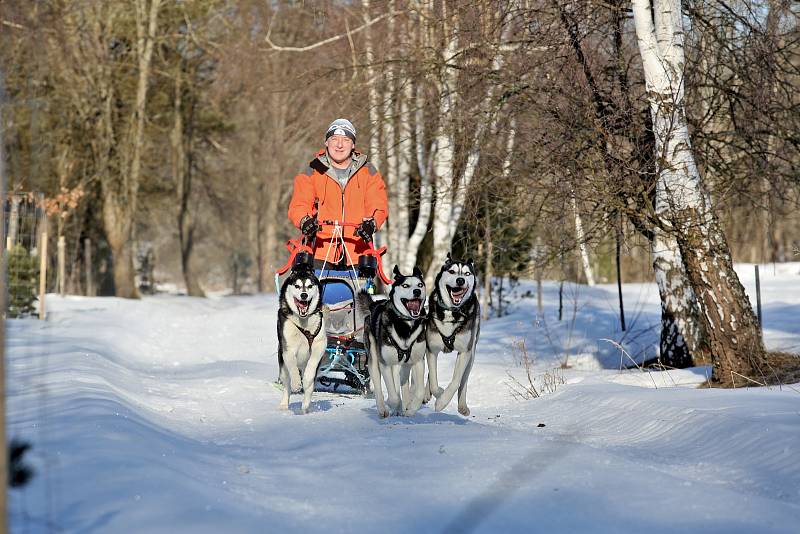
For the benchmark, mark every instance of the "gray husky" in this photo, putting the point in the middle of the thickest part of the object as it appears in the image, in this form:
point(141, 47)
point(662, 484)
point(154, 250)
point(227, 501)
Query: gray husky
point(454, 324)
point(301, 334)
point(395, 340)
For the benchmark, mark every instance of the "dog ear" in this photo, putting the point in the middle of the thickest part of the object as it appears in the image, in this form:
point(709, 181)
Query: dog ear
point(449, 258)
point(396, 271)
point(418, 272)
point(470, 262)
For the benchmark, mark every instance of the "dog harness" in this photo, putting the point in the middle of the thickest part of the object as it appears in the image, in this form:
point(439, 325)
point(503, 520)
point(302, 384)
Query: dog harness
point(449, 341)
point(404, 355)
point(309, 335)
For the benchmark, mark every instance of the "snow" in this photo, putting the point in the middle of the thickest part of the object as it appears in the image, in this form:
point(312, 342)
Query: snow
point(160, 415)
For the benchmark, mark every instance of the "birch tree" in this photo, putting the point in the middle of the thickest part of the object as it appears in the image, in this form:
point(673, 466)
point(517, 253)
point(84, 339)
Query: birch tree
point(684, 206)
point(398, 135)
point(452, 181)
point(624, 144)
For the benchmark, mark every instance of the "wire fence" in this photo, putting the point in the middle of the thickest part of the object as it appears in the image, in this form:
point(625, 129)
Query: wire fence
point(25, 227)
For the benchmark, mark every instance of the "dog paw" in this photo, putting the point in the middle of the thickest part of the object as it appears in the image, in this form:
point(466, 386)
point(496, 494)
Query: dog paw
point(383, 414)
point(307, 406)
point(283, 406)
point(426, 399)
point(463, 410)
point(440, 405)
point(410, 413)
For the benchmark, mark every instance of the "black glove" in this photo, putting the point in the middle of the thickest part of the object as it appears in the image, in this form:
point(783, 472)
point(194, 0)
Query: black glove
point(309, 226)
point(365, 229)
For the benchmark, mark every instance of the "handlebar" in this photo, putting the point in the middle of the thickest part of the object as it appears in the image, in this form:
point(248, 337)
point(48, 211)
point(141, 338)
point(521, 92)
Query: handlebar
point(302, 245)
point(328, 222)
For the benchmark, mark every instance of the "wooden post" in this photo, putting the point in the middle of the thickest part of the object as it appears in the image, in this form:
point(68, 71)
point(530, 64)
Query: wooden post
point(539, 306)
point(758, 299)
point(43, 276)
point(500, 298)
point(13, 222)
point(3, 445)
point(61, 281)
point(619, 275)
point(87, 260)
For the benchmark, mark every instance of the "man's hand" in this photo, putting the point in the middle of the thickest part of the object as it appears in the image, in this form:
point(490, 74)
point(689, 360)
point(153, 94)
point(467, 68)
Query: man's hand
point(309, 226)
point(365, 229)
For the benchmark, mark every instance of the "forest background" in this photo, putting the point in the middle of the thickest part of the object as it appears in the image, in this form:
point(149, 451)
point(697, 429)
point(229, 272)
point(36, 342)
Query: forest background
point(520, 133)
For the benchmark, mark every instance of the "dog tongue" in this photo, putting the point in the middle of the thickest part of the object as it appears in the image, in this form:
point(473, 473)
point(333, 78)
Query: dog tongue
point(457, 294)
point(413, 305)
point(302, 307)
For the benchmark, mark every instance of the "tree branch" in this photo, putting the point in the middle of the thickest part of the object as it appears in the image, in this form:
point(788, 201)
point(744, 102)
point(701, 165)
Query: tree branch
point(324, 41)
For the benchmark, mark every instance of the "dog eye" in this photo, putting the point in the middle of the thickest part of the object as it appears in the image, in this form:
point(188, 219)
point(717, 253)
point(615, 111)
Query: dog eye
point(406, 285)
point(452, 271)
point(420, 284)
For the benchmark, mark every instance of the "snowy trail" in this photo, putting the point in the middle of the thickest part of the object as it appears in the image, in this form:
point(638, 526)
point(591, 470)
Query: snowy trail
point(160, 416)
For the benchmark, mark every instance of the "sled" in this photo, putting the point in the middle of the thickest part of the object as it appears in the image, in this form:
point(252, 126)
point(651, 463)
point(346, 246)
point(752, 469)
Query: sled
point(344, 368)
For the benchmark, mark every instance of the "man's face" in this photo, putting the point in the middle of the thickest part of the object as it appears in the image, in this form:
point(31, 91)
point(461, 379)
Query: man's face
point(340, 147)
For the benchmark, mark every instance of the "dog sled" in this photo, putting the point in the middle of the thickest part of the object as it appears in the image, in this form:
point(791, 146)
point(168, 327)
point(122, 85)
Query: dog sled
point(343, 368)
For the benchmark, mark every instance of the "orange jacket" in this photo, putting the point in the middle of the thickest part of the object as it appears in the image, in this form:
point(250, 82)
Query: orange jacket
point(363, 196)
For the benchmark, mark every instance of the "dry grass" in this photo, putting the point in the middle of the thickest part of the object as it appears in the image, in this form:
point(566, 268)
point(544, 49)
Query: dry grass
point(784, 367)
point(783, 370)
point(549, 380)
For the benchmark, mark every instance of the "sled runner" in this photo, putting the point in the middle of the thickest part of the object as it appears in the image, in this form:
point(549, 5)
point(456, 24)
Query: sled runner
point(344, 366)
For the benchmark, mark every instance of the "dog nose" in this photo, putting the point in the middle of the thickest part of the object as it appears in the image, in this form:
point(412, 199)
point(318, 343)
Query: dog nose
point(460, 281)
point(303, 296)
point(417, 292)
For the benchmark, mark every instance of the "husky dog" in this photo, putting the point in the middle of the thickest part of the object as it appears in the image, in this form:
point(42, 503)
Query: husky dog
point(301, 334)
point(454, 318)
point(395, 340)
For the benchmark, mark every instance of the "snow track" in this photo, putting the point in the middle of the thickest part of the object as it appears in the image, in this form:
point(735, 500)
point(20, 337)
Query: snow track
point(159, 416)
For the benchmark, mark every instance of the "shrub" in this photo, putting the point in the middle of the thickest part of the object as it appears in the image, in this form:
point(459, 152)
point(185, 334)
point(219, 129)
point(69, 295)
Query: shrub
point(23, 272)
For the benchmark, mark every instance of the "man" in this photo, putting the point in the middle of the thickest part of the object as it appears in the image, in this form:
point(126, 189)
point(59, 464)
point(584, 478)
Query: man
point(345, 187)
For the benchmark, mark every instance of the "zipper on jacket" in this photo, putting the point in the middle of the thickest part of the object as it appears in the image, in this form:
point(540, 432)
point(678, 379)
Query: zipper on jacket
point(342, 189)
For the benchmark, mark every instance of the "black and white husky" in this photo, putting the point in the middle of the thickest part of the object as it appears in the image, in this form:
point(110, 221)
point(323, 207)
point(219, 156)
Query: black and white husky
point(395, 340)
point(454, 324)
point(301, 334)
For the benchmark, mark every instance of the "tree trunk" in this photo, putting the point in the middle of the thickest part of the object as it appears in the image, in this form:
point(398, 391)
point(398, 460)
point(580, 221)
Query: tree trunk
point(182, 172)
point(117, 222)
point(682, 342)
point(270, 239)
point(736, 345)
point(684, 206)
point(581, 239)
point(425, 168)
point(120, 192)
